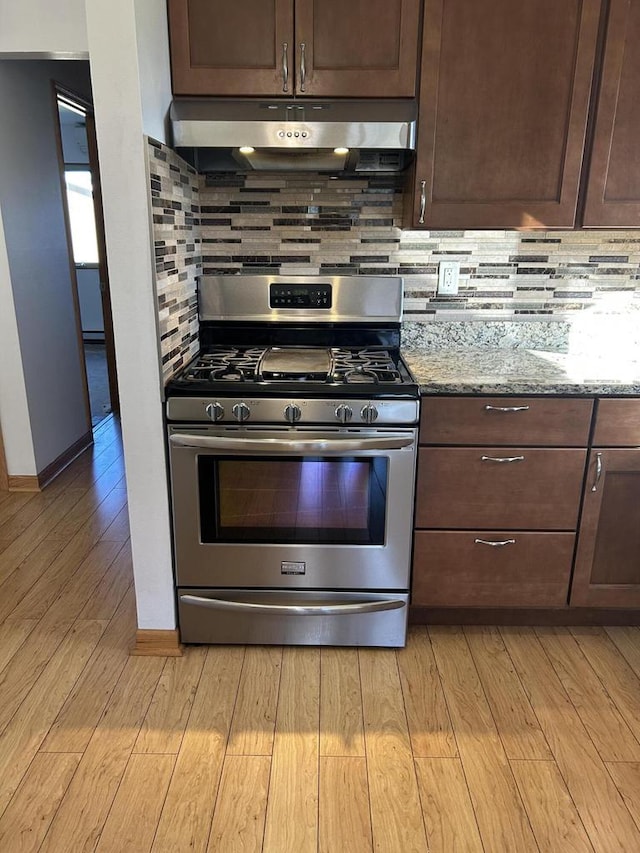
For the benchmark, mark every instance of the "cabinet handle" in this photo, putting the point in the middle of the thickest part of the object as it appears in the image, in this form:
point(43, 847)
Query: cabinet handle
point(498, 544)
point(285, 66)
point(423, 201)
point(594, 488)
point(303, 65)
point(507, 408)
point(502, 458)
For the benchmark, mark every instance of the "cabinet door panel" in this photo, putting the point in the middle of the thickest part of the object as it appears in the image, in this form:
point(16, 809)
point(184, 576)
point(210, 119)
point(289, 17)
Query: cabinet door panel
point(454, 569)
point(504, 101)
point(613, 193)
point(458, 489)
point(221, 48)
point(363, 48)
point(607, 571)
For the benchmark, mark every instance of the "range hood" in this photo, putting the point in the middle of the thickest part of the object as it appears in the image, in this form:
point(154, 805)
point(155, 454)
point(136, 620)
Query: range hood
point(217, 135)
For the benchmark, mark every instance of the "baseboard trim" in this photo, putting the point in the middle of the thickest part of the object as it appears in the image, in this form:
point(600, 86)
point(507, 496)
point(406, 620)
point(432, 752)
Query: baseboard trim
point(58, 465)
point(24, 483)
point(160, 643)
point(37, 482)
point(4, 476)
point(560, 616)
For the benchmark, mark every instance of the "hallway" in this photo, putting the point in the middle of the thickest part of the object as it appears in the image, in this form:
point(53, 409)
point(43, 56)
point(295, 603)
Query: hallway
point(95, 357)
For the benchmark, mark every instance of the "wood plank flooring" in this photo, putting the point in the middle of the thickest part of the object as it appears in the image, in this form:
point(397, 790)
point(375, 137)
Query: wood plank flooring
point(474, 740)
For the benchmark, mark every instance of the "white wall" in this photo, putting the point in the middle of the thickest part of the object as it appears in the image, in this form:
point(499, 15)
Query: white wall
point(36, 247)
point(43, 27)
point(152, 36)
point(14, 411)
point(130, 75)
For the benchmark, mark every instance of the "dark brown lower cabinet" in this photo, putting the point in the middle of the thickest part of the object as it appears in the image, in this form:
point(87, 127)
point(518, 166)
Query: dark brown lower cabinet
point(491, 568)
point(488, 488)
point(607, 569)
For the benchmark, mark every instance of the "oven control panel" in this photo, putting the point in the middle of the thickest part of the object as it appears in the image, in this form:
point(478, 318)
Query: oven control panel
point(289, 412)
point(300, 296)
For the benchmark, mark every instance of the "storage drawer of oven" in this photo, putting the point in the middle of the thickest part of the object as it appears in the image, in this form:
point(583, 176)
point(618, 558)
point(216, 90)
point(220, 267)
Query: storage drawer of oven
point(491, 568)
point(292, 617)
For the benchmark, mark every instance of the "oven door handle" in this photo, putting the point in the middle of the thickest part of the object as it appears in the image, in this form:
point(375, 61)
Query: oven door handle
point(277, 445)
point(309, 609)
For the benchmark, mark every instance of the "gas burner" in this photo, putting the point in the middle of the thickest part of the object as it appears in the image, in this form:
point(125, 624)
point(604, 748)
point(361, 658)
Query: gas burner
point(227, 374)
point(225, 364)
point(366, 365)
point(360, 374)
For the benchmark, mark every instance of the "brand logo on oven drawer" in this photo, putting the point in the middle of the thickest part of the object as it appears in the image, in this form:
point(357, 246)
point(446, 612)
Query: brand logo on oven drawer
point(287, 568)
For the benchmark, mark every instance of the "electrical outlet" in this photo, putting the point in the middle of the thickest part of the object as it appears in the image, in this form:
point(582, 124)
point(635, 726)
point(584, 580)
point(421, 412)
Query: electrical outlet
point(448, 275)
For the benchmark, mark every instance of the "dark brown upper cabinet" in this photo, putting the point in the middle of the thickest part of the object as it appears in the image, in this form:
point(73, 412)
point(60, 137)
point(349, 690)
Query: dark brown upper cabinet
point(357, 49)
point(613, 190)
point(315, 48)
point(240, 48)
point(504, 103)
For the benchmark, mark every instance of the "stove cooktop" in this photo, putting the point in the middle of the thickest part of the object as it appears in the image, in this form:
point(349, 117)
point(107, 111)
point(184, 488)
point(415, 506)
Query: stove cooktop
point(307, 371)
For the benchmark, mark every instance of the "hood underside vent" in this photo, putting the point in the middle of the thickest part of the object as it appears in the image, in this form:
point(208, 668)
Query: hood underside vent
point(345, 136)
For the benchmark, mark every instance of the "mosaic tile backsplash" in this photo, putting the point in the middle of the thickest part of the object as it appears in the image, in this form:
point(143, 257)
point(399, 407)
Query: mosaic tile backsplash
point(175, 211)
point(311, 223)
point(351, 226)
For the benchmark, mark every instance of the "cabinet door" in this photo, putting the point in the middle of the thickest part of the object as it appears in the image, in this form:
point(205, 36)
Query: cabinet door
point(357, 49)
point(222, 48)
point(613, 190)
point(503, 110)
point(607, 570)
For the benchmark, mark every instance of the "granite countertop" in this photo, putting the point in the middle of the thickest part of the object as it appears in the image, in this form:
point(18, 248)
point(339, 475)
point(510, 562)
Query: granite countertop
point(521, 371)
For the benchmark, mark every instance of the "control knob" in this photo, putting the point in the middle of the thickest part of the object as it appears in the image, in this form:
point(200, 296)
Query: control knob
point(241, 412)
point(344, 413)
point(369, 413)
point(215, 411)
point(292, 413)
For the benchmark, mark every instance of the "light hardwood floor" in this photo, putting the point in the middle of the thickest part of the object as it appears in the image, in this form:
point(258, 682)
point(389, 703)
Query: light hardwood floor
point(469, 740)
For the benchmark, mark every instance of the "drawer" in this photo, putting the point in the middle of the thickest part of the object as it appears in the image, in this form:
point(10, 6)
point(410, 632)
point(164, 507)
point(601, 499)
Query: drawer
point(453, 569)
point(505, 420)
point(460, 487)
point(617, 423)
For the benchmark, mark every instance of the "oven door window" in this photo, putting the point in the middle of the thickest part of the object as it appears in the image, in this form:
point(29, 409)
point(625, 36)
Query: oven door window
point(293, 499)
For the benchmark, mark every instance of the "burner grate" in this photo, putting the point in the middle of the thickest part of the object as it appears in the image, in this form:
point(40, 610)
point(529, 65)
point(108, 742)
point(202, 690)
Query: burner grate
point(335, 366)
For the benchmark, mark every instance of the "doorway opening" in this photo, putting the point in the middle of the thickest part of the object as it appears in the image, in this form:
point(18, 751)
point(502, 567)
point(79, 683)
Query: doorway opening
point(81, 182)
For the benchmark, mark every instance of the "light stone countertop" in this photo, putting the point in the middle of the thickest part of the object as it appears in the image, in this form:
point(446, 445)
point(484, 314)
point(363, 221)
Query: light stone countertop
point(522, 371)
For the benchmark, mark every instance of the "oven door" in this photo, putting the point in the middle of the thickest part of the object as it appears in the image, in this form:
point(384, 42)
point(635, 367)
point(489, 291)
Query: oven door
point(292, 507)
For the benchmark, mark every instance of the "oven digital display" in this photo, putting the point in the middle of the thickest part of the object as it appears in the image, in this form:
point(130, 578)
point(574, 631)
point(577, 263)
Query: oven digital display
point(300, 296)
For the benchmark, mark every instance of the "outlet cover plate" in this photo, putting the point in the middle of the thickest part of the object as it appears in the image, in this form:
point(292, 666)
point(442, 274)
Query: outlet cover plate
point(448, 276)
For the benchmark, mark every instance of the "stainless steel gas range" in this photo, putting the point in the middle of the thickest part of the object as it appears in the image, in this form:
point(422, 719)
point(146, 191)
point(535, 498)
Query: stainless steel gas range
point(292, 443)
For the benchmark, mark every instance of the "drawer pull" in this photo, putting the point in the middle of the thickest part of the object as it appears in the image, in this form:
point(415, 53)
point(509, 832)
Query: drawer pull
point(507, 408)
point(498, 544)
point(502, 458)
point(594, 488)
